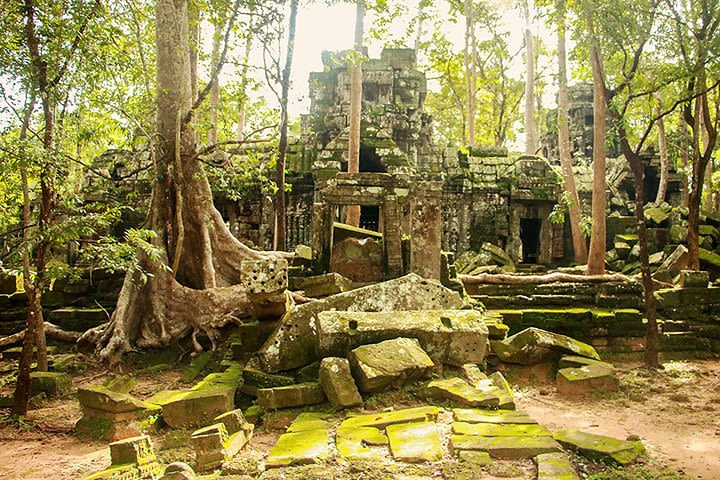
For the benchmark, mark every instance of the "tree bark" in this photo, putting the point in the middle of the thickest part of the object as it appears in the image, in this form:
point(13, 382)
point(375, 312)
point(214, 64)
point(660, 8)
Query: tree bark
point(664, 162)
point(596, 255)
point(283, 144)
point(215, 91)
point(531, 140)
point(470, 57)
point(353, 211)
point(578, 240)
point(242, 100)
point(684, 159)
point(202, 294)
point(52, 331)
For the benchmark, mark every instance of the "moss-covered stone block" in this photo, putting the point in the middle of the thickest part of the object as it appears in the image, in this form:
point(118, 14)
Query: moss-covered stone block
point(383, 419)
point(290, 396)
point(338, 384)
point(299, 448)
point(534, 345)
point(585, 379)
point(509, 448)
point(415, 442)
point(471, 415)
point(460, 392)
point(555, 466)
point(52, 384)
point(389, 364)
point(600, 447)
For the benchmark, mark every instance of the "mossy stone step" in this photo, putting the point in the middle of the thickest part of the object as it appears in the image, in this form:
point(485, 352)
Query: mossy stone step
point(555, 466)
point(600, 447)
point(383, 419)
point(300, 448)
point(353, 441)
point(309, 421)
point(415, 442)
point(510, 448)
point(472, 415)
point(499, 430)
point(462, 393)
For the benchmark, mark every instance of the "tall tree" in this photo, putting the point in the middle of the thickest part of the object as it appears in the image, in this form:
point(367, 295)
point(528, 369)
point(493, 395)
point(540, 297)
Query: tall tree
point(470, 56)
point(353, 211)
point(283, 144)
point(531, 134)
point(664, 157)
point(578, 239)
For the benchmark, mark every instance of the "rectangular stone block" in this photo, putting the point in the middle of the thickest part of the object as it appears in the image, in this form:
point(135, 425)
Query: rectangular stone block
point(509, 448)
point(290, 396)
point(415, 442)
point(135, 450)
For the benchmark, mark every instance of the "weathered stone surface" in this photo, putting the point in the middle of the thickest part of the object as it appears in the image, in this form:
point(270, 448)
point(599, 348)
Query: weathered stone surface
point(383, 419)
point(573, 361)
point(469, 415)
point(121, 384)
point(585, 379)
point(600, 447)
point(52, 384)
point(500, 430)
point(415, 442)
point(178, 471)
point(138, 450)
point(507, 397)
point(326, 284)
point(555, 466)
point(472, 374)
point(300, 448)
point(338, 384)
point(266, 283)
point(234, 421)
point(476, 458)
point(387, 364)
point(360, 260)
point(209, 444)
point(196, 407)
point(352, 441)
point(693, 278)
point(294, 342)
point(510, 448)
point(460, 392)
point(100, 398)
point(533, 345)
point(673, 264)
point(454, 337)
point(290, 396)
point(309, 421)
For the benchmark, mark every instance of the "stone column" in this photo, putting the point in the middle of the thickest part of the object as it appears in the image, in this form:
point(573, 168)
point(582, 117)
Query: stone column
point(392, 237)
point(426, 239)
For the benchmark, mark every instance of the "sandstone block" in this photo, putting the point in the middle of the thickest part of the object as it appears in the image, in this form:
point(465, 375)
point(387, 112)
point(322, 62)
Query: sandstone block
point(290, 396)
point(388, 364)
point(338, 384)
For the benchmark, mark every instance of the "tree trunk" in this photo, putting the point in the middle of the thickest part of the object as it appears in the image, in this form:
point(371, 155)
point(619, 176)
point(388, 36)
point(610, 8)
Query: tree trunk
point(596, 255)
point(470, 56)
point(201, 294)
point(242, 100)
point(353, 211)
point(578, 240)
point(215, 92)
point(420, 20)
point(664, 162)
point(531, 140)
point(684, 158)
point(283, 144)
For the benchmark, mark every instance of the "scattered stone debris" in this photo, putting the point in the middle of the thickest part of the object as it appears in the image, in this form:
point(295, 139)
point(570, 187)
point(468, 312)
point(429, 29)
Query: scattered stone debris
point(555, 466)
point(110, 415)
point(338, 384)
point(221, 441)
point(388, 364)
point(596, 377)
point(299, 447)
point(462, 393)
point(534, 345)
point(291, 396)
point(323, 285)
point(131, 458)
point(601, 448)
point(52, 384)
point(415, 442)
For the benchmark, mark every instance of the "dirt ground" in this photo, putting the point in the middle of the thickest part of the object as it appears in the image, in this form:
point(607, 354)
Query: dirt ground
point(674, 411)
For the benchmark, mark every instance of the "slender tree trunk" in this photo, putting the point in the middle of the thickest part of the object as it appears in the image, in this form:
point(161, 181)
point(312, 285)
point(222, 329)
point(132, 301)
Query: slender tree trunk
point(579, 245)
point(215, 92)
point(420, 20)
point(596, 255)
point(353, 211)
point(280, 166)
point(664, 162)
point(470, 57)
point(242, 100)
point(531, 140)
point(684, 159)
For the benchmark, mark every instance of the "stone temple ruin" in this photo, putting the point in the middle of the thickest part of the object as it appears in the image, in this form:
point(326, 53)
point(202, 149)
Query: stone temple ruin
point(360, 312)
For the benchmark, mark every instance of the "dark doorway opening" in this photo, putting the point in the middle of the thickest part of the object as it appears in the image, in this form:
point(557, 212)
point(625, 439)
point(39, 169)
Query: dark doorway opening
point(370, 161)
point(370, 217)
point(530, 238)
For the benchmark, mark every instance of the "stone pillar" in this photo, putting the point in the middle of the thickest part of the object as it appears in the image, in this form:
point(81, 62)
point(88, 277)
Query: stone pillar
point(426, 239)
point(392, 237)
point(266, 283)
point(322, 226)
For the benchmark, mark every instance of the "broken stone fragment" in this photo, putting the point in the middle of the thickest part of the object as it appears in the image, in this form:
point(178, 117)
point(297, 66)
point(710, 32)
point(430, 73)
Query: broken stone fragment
point(415, 442)
point(555, 466)
point(573, 361)
point(338, 384)
point(52, 384)
point(121, 384)
point(510, 448)
point(309, 421)
point(507, 397)
point(472, 374)
point(462, 393)
point(476, 458)
point(178, 471)
point(693, 279)
point(588, 378)
point(472, 415)
point(138, 450)
point(673, 265)
point(534, 345)
point(265, 282)
point(599, 447)
point(326, 284)
point(452, 337)
point(389, 364)
point(309, 446)
point(500, 430)
point(383, 419)
point(197, 407)
point(291, 396)
point(352, 441)
point(294, 342)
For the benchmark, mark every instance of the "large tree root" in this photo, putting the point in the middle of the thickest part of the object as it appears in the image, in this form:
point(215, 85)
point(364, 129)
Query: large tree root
point(52, 331)
point(556, 277)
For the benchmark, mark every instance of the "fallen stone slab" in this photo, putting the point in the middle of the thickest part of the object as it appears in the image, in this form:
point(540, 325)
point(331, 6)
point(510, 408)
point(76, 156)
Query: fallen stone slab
point(352, 441)
point(477, 458)
point(500, 430)
point(131, 458)
point(460, 392)
point(586, 379)
point(452, 337)
point(52, 384)
point(555, 466)
point(507, 397)
point(572, 361)
point(110, 415)
point(599, 447)
point(294, 342)
point(291, 396)
point(323, 285)
point(509, 448)
point(178, 471)
point(534, 345)
point(472, 374)
point(209, 445)
point(309, 421)
point(338, 384)
point(472, 415)
point(673, 265)
point(389, 364)
point(383, 419)
point(310, 446)
point(254, 379)
point(415, 442)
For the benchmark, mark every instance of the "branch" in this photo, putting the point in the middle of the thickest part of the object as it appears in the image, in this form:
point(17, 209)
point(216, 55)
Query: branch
point(75, 44)
point(216, 70)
